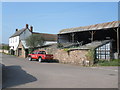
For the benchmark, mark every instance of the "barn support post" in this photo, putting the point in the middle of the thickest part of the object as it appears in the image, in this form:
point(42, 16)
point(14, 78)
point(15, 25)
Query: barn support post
point(73, 34)
point(92, 35)
point(58, 38)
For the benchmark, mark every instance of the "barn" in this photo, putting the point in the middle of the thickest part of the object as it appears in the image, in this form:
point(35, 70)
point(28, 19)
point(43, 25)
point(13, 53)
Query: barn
point(107, 34)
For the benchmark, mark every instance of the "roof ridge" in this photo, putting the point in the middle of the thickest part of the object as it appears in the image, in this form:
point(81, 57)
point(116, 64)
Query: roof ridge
point(97, 26)
point(17, 33)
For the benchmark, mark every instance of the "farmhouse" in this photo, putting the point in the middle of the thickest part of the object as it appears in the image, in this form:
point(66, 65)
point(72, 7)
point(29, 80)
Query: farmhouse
point(94, 34)
point(19, 35)
point(17, 40)
point(22, 49)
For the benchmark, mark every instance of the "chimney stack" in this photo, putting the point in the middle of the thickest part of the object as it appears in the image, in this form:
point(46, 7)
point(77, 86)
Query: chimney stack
point(16, 30)
point(26, 25)
point(31, 28)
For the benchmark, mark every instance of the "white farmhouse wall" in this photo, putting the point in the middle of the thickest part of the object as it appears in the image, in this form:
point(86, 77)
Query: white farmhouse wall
point(13, 42)
point(25, 34)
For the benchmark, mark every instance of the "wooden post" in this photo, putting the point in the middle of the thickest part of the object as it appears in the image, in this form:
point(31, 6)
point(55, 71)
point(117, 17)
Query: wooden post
point(58, 38)
point(92, 36)
point(73, 37)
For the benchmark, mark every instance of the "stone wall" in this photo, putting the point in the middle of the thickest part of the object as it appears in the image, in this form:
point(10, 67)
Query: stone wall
point(72, 57)
point(75, 56)
point(22, 51)
point(51, 49)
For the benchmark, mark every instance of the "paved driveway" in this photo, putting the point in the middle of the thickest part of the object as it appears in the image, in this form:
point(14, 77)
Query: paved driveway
point(21, 73)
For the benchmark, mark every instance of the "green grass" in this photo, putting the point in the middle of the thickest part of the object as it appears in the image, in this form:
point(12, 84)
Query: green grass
point(115, 62)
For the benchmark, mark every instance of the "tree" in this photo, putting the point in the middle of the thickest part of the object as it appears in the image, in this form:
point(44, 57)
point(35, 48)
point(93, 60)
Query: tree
point(34, 41)
point(5, 47)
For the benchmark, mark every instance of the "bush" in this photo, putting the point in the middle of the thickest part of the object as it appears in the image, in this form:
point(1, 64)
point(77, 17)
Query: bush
point(66, 49)
point(90, 55)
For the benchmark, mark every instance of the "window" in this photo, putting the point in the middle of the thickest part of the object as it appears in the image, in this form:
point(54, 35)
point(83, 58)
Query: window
point(16, 39)
point(34, 53)
point(103, 52)
point(41, 52)
point(13, 40)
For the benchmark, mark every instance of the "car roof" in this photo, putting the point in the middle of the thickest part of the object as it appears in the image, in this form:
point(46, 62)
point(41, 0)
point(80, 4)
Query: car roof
point(38, 50)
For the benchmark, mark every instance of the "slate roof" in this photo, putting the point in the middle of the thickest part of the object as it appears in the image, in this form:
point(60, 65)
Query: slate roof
point(95, 44)
point(92, 45)
point(100, 26)
point(17, 33)
point(46, 37)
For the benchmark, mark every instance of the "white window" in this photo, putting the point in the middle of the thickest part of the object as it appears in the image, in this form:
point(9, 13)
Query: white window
point(12, 40)
point(16, 39)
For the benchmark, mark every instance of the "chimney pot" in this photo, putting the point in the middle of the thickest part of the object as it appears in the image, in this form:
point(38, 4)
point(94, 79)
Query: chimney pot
point(31, 28)
point(26, 25)
point(16, 30)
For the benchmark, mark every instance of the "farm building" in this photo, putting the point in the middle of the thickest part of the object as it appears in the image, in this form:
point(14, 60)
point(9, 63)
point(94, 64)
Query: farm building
point(86, 35)
point(17, 42)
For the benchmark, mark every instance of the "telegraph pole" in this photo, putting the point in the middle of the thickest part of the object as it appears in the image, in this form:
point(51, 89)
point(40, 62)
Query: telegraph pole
point(118, 48)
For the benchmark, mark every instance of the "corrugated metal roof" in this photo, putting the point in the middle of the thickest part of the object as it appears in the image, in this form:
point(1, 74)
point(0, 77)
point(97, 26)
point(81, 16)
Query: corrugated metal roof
point(113, 24)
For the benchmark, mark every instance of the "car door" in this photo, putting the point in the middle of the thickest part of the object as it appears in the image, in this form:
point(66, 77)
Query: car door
point(33, 55)
point(40, 54)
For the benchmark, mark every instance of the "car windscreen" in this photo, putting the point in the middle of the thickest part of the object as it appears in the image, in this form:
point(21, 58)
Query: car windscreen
point(41, 52)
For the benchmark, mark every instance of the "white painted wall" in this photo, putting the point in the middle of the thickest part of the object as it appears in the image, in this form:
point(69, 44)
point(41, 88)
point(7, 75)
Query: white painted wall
point(14, 41)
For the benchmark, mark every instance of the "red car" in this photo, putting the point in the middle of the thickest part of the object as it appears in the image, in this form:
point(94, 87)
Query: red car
point(40, 55)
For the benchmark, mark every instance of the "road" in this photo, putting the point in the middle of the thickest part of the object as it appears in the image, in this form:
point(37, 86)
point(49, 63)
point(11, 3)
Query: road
point(21, 73)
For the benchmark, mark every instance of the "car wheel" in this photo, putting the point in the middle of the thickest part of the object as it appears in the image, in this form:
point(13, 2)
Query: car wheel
point(30, 59)
point(40, 59)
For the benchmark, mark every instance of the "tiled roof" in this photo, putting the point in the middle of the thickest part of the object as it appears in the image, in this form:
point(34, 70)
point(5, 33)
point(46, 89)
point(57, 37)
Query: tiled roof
point(113, 24)
point(47, 37)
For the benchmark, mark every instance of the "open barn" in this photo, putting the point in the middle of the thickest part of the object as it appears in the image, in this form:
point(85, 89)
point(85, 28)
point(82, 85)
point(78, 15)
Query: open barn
point(88, 34)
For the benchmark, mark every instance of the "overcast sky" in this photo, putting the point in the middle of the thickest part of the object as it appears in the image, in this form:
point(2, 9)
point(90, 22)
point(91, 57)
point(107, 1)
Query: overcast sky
point(51, 17)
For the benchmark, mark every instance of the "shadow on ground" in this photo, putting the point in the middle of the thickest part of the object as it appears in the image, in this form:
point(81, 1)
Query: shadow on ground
point(15, 75)
point(53, 61)
point(47, 61)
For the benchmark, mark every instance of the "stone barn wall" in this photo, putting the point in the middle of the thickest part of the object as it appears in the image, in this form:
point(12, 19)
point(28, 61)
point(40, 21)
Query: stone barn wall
point(72, 57)
point(75, 56)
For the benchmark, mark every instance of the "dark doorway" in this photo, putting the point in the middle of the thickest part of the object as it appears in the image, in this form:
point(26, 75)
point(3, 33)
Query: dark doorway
point(19, 51)
point(26, 52)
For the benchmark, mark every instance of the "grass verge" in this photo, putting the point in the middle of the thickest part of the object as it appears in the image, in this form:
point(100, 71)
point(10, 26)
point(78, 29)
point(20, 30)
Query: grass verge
point(115, 62)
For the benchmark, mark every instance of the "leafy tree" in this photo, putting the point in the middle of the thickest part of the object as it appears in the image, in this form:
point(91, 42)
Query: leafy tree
point(5, 47)
point(34, 41)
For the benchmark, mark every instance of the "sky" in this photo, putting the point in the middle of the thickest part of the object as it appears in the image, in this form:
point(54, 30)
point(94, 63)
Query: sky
point(51, 17)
